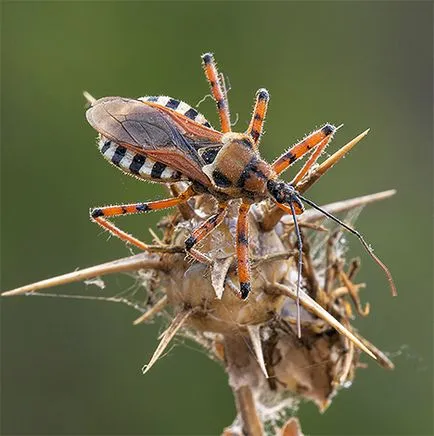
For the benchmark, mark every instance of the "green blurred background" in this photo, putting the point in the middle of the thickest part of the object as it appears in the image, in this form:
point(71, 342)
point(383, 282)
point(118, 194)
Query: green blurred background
point(73, 367)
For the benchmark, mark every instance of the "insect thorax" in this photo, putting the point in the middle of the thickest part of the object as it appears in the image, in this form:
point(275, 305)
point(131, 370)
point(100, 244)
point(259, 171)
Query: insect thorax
point(136, 164)
point(238, 170)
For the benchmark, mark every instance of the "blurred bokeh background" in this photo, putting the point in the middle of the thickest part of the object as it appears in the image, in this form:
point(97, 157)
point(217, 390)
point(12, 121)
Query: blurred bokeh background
point(73, 367)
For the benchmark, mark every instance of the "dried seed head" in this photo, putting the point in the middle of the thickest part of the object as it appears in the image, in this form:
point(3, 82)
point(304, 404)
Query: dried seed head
point(256, 338)
point(270, 369)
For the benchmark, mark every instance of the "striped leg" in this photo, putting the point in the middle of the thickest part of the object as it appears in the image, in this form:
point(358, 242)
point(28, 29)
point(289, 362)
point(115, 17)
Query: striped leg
point(206, 227)
point(99, 215)
point(258, 115)
point(243, 250)
point(218, 93)
point(311, 161)
point(302, 147)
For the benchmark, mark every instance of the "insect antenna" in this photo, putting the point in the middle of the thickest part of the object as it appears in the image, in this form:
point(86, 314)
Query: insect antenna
point(358, 235)
point(299, 264)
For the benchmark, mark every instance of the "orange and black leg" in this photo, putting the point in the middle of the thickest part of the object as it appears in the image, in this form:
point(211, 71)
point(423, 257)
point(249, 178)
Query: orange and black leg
point(258, 116)
point(243, 250)
point(99, 215)
point(206, 227)
point(311, 161)
point(315, 139)
point(217, 90)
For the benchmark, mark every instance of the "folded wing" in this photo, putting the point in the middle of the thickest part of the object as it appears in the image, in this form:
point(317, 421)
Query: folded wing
point(157, 132)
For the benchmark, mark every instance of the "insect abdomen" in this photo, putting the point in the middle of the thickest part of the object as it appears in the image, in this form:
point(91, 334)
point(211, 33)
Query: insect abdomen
point(137, 164)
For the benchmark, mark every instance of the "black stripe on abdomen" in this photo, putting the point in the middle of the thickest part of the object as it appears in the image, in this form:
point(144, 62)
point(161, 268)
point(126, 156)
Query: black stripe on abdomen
point(118, 155)
point(106, 146)
point(172, 104)
point(157, 170)
point(137, 163)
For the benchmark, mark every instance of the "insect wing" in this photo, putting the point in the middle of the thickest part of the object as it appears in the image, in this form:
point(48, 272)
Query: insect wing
point(178, 106)
point(149, 130)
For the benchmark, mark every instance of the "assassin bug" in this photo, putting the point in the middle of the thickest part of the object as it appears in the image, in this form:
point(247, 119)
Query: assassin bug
point(165, 140)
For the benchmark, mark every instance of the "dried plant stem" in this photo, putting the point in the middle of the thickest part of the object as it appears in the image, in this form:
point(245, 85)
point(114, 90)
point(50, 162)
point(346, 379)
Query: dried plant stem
point(273, 257)
point(313, 307)
point(329, 163)
point(255, 338)
point(353, 291)
point(157, 307)
point(382, 359)
point(246, 407)
point(167, 336)
point(345, 205)
point(237, 351)
point(312, 215)
point(132, 263)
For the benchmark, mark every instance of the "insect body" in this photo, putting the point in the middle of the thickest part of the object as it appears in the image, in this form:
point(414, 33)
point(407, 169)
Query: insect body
point(165, 140)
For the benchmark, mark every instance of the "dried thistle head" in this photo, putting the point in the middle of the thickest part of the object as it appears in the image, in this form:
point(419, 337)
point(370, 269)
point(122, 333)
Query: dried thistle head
point(267, 364)
point(270, 369)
